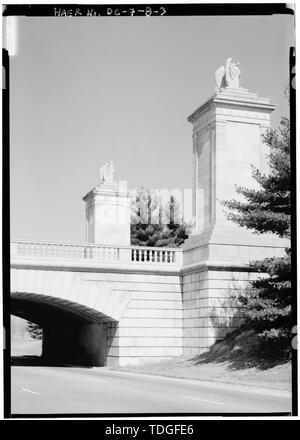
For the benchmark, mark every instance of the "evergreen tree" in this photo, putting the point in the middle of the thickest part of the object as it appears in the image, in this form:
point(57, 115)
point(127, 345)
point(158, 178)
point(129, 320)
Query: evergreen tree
point(153, 224)
point(146, 221)
point(268, 209)
point(35, 331)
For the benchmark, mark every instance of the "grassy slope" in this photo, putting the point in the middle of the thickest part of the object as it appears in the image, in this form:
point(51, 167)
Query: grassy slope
point(236, 360)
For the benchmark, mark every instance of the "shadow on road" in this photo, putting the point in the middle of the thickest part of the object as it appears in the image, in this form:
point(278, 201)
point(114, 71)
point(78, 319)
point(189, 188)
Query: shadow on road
point(38, 361)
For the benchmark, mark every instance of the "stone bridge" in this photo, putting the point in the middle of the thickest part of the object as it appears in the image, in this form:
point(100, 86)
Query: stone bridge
point(109, 305)
point(98, 304)
point(119, 304)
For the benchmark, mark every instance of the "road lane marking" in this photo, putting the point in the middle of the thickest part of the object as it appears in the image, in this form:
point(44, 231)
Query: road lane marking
point(29, 391)
point(203, 400)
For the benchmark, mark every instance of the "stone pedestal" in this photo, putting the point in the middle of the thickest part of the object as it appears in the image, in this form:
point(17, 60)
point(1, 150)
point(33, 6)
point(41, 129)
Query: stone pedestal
point(227, 140)
point(108, 215)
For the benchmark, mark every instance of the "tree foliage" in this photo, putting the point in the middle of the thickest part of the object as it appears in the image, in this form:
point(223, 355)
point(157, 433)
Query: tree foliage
point(268, 209)
point(35, 331)
point(154, 223)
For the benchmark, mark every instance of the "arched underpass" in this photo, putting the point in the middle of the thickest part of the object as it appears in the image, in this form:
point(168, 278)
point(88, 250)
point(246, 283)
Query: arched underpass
point(72, 333)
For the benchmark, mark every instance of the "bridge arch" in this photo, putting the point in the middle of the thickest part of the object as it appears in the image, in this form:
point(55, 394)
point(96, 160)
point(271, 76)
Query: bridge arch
point(72, 333)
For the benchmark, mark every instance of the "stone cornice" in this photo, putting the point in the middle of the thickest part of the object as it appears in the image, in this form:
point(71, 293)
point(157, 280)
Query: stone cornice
point(215, 265)
point(109, 190)
point(92, 266)
point(237, 100)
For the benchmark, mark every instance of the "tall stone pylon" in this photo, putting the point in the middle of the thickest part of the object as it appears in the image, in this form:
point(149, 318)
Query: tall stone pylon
point(108, 211)
point(227, 140)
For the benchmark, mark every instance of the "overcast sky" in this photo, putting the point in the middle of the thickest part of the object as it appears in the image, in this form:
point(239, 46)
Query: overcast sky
point(85, 91)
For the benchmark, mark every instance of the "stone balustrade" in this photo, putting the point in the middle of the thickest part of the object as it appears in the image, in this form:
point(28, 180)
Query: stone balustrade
point(134, 254)
point(153, 255)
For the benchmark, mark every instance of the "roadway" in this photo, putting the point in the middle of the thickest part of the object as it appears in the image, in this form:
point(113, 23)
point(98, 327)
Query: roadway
point(65, 390)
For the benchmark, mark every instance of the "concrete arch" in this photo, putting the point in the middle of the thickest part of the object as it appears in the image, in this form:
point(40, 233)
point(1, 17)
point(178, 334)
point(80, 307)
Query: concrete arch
point(78, 287)
point(72, 333)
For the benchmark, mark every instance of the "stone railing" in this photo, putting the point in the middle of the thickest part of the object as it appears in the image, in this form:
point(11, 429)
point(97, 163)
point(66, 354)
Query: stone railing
point(153, 255)
point(133, 254)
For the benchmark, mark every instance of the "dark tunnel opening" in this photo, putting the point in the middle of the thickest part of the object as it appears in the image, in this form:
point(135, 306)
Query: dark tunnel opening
point(73, 334)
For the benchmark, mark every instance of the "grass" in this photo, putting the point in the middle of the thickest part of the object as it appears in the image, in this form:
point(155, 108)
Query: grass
point(26, 346)
point(238, 359)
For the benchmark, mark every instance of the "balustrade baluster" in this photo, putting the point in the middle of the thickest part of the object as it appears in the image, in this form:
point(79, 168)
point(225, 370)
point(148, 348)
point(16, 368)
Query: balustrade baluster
point(94, 252)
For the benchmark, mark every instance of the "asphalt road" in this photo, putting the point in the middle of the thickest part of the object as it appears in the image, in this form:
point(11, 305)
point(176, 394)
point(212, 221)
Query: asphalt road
point(65, 390)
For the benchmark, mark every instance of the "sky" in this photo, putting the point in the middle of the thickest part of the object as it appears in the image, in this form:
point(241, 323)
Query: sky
point(85, 91)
